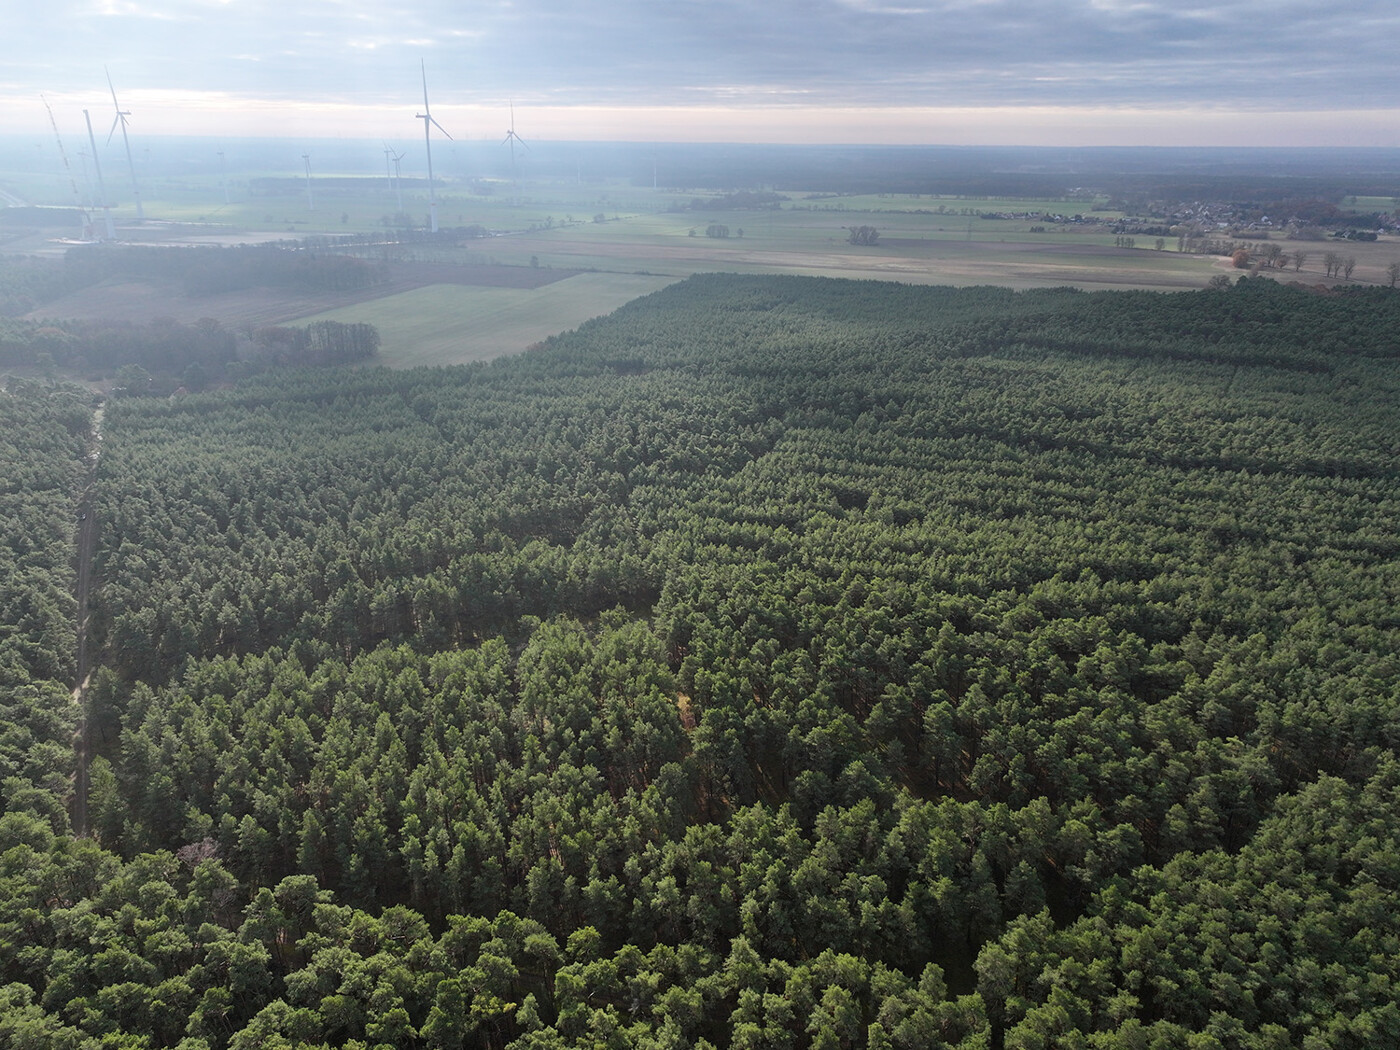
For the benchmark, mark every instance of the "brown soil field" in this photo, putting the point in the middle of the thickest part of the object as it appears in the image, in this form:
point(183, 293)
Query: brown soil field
point(144, 300)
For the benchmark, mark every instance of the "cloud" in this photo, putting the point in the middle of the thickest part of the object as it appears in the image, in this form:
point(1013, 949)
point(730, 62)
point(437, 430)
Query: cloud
point(1241, 54)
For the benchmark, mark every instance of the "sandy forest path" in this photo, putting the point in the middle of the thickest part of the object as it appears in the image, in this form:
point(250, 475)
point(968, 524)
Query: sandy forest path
point(87, 551)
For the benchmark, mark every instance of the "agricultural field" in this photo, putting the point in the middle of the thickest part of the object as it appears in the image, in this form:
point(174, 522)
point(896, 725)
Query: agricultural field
point(603, 240)
point(452, 324)
point(789, 243)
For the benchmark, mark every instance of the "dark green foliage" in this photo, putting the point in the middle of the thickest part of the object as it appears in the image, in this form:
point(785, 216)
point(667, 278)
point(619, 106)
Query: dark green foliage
point(43, 444)
point(27, 281)
point(101, 348)
point(318, 343)
point(170, 354)
point(774, 663)
point(206, 270)
point(740, 200)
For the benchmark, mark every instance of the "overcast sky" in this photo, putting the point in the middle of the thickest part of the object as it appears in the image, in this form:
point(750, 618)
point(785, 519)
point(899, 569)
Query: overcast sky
point(1030, 72)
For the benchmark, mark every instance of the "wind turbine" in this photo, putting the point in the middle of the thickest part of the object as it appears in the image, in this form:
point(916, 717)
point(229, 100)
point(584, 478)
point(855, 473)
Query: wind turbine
point(392, 155)
point(512, 138)
point(310, 200)
point(428, 124)
point(120, 118)
point(101, 186)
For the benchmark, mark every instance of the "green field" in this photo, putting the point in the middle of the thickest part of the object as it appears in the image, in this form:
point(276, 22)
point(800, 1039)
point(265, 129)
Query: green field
point(1364, 204)
point(453, 324)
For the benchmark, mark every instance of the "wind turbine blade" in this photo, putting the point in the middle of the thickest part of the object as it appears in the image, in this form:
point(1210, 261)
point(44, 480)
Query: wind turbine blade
point(440, 127)
point(112, 89)
point(115, 121)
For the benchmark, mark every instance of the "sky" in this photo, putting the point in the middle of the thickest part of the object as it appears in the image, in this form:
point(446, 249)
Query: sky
point(929, 72)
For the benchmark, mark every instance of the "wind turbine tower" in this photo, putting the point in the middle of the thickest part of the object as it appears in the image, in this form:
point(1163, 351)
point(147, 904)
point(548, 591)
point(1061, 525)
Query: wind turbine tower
point(101, 186)
point(428, 124)
point(310, 200)
point(512, 138)
point(121, 116)
point(395, 156)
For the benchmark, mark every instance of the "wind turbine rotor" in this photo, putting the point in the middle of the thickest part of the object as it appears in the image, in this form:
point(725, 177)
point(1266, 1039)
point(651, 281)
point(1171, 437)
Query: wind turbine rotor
point(511, 136)
point(122, 114)
point(120, 119)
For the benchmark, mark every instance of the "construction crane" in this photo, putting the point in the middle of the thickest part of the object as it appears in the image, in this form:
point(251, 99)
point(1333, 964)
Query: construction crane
point(77, 197)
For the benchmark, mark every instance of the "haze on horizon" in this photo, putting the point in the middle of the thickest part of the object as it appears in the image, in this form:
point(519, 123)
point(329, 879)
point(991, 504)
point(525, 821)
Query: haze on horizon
point(953, 72)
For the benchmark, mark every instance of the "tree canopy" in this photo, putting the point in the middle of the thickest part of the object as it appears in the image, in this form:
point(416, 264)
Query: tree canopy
point(774, 663)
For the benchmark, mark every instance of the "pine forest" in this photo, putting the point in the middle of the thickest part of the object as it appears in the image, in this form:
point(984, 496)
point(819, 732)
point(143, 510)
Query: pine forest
point(775, 663)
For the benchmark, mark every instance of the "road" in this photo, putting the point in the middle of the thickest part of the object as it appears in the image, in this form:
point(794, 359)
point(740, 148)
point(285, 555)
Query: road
point(87, 551)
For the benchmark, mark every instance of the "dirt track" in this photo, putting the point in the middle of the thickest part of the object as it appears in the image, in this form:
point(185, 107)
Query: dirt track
point(87, 551)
